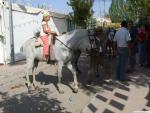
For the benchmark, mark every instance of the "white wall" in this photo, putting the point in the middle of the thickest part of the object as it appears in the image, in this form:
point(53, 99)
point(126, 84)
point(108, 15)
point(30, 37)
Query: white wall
point(2, 34)
point(24, 26)
point(1, 52)
point(61, 25)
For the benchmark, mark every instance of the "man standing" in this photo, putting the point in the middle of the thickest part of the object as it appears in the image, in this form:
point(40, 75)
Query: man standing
point(134, 47)
point(121, 44)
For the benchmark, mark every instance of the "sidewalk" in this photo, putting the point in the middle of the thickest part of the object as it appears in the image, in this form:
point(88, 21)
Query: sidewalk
point(123, 97)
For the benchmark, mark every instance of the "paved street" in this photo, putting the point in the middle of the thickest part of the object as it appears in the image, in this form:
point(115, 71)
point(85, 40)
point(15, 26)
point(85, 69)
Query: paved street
point(14, 96)
point(107, 98)
point(123, 97)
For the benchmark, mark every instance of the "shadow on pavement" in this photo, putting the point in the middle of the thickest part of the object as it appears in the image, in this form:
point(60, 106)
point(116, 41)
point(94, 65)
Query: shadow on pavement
point(22, 62)
point(37, 102)
point(46, 79)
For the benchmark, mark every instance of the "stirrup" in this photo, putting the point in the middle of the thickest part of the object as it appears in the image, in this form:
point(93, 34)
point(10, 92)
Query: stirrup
point(37, 44)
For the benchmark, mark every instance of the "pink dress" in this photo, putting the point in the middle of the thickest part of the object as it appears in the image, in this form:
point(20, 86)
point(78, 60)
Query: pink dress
point(45, 45)
point(45, 39)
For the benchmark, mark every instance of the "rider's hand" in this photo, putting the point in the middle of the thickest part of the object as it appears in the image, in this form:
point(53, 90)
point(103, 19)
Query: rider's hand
point(54, 33)
point(49, 31)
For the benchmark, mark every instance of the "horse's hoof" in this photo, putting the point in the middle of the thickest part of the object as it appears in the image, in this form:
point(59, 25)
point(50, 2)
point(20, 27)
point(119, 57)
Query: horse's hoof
point(29, 89)
point(61, 91)
point(35, 86)
point(27, 84)
point(75, 90)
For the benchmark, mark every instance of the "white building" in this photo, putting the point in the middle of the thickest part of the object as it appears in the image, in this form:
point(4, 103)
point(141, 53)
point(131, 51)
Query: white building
point(25, 21)
point(104, 20)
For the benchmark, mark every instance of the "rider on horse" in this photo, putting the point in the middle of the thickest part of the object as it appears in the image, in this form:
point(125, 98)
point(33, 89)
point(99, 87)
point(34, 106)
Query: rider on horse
point(44, 37)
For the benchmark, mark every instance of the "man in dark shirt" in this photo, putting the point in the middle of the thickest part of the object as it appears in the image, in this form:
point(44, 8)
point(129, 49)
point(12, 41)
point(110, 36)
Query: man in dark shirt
point(133, 34)
point(147, 47)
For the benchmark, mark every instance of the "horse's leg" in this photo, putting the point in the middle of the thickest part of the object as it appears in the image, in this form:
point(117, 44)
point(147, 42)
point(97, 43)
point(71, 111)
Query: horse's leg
point(34, 72)
point(75, 59)
point(92, 70)
point(60, 65)
point(29, 67)
point(72, 69)
point(27, 79)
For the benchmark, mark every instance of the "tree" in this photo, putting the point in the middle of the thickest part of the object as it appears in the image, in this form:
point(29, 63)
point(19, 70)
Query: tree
point(117, 10)
point(129, 9)
point(139, 7)
point(82, 11)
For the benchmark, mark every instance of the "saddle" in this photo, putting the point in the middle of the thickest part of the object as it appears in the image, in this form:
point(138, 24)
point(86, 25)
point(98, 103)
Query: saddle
point(38, 42)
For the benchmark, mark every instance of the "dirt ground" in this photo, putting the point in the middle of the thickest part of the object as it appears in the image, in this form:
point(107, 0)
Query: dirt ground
point(14, 96)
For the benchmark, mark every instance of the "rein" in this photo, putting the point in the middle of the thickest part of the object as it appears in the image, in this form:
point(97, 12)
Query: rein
point(66, 45)
point(63, 44)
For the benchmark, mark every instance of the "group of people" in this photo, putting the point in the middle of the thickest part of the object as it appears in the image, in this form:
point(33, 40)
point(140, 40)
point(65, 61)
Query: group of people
point(128, 41)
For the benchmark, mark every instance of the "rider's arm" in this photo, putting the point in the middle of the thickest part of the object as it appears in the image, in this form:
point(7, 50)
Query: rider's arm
point(46, 29)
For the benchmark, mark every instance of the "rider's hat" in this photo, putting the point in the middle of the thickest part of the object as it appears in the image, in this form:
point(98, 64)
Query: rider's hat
point(46, 13)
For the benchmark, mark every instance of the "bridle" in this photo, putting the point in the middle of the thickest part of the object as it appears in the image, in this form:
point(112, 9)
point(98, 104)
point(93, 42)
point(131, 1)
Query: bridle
point(92, 34)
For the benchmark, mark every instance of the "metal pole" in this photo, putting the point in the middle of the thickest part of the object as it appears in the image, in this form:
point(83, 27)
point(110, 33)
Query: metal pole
point(11, 33)
point(100, 9)
point(104, 14)
point(104, 8)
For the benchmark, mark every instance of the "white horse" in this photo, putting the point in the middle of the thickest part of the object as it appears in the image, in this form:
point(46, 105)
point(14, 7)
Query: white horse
point(63, 50)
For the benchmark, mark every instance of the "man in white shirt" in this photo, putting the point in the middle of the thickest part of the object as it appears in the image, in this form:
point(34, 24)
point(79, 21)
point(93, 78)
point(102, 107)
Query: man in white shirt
point(121, 44)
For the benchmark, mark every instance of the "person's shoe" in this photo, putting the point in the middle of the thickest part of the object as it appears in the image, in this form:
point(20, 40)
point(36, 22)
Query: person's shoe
point(129, 71)
point(89, 82)
point(141, 65)
point(148, 66)
point(45, 58)
point(125, 80)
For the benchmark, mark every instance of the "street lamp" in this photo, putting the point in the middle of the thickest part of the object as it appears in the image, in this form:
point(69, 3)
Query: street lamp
point(104, 8)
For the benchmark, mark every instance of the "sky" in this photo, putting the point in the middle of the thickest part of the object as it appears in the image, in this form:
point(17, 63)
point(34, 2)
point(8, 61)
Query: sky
point(61, 5)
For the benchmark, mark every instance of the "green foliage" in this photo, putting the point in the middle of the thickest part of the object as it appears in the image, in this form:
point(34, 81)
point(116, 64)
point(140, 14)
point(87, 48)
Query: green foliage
point(117, 10)
point(139, 7)
point(129, 9)
point(82, 11)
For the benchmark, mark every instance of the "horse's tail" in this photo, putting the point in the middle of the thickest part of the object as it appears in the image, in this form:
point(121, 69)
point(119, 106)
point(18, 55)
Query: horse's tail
point(21, 49)
point(25, 46)
point(28, 47)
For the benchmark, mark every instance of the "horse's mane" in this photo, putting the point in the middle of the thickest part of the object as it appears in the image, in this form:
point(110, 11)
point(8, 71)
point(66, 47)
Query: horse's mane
point(67, 33)
point(72, 37)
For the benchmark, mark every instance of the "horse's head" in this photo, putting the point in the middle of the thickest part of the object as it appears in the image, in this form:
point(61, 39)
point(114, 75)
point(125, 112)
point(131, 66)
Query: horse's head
point(86, 41)
point(85, 45)
point(96, 37)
